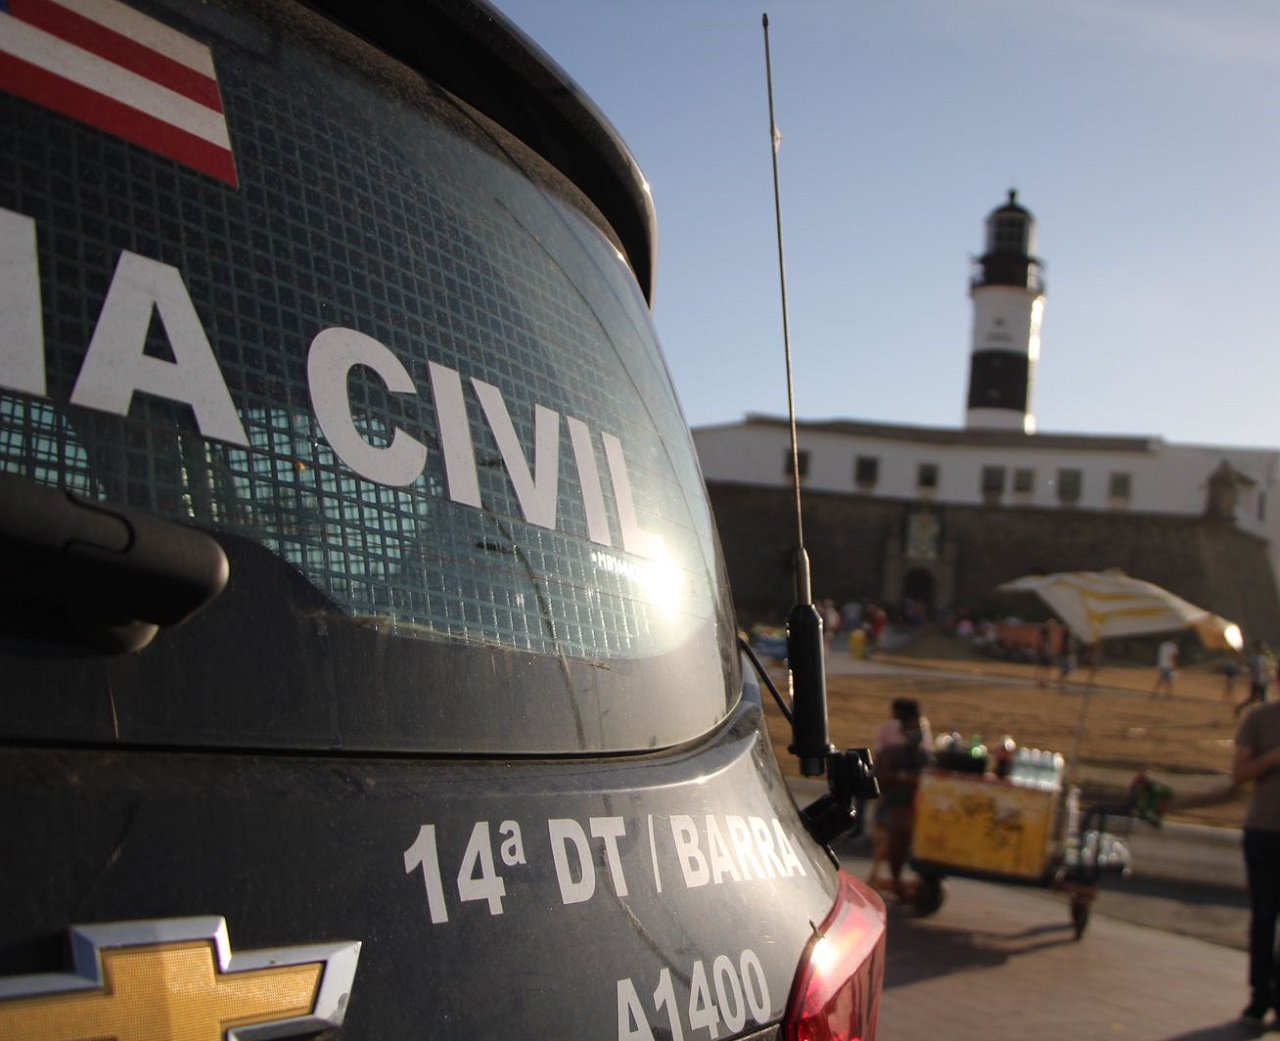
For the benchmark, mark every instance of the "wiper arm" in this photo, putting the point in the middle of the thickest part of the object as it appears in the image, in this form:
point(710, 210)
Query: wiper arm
point(76, 570)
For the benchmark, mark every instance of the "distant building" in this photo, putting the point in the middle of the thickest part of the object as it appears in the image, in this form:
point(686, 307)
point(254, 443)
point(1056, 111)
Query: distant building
point(941, 516)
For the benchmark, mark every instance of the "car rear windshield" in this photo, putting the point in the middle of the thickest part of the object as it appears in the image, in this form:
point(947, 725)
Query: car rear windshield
point(399, 368)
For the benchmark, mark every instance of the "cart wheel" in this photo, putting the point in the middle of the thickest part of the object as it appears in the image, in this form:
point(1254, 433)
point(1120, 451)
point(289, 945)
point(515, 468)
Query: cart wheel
point(929, 895)
point(1079, 916)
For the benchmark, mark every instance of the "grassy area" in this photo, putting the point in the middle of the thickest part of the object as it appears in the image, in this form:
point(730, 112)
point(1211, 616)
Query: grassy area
point(1184, 741)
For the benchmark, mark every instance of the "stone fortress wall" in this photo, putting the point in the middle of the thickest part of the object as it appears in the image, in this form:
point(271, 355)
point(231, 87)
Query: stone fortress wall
point(953, 556)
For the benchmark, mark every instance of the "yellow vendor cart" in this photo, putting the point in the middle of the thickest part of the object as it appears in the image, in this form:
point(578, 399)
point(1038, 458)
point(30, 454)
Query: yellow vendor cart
point(1025, 830)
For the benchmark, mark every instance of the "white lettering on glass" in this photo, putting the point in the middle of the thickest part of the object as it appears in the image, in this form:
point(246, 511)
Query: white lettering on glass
point(455, 435)
point(334, 353)
point(116, 365)
point(536, 489)
point(21, 323)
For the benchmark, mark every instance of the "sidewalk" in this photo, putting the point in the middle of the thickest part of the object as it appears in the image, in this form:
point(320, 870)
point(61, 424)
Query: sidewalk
point(999, 963)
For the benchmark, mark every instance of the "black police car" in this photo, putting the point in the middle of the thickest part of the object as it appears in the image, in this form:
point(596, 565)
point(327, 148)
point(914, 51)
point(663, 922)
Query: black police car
point(367, 664)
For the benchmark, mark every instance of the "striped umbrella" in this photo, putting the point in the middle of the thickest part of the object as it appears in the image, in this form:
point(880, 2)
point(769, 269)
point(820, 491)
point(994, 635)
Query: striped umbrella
point(1098, 604)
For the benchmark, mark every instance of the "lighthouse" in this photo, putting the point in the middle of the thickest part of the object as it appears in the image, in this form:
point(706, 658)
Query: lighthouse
point(1008, 304)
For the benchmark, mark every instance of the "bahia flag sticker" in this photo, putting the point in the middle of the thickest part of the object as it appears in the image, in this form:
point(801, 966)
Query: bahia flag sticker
point(105, 64)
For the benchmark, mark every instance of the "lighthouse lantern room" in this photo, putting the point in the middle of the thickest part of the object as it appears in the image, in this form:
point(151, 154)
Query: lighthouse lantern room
point(1007, 290)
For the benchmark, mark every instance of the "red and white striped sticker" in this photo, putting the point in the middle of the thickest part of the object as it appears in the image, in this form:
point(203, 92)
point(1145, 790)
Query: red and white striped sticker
point(107, 65)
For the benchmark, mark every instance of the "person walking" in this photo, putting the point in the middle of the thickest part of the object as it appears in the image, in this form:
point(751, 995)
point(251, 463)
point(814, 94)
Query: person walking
point(1257, 761)
point(1045, 651)
point(889, 736)
point(1260, 665)
point(830, 623)
point(898, 769)
point(1166, 668)
point(1066, 656)
point(1230, 669)
point(877, 620)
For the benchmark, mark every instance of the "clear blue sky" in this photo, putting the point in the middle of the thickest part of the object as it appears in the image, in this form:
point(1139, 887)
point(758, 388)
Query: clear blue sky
point(1143, 134)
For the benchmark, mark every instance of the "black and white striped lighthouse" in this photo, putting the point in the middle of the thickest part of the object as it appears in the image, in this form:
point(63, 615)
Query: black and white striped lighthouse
point(1008, 304)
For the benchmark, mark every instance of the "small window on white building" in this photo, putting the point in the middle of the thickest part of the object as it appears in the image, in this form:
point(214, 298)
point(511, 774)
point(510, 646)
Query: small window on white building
point(992, 484)
point(1120, 488)
point(927, 476)
point(1070, 486)
point(866, 472)
point(1024, 482)
point(789, 468)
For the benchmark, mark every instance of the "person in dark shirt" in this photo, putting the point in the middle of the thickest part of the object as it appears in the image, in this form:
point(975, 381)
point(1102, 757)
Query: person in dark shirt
point(1257, 760)
point(898, 769)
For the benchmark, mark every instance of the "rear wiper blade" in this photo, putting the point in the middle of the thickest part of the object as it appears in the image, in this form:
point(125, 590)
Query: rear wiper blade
point(108, 577)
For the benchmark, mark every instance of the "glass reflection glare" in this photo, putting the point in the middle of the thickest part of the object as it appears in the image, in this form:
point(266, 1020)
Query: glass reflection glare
point(657, 578)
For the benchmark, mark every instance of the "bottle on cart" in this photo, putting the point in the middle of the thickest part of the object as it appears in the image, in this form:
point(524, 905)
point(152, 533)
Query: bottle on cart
point(1038, 770)
point(1006, 750)
point(977, 754)
point(1059, 767)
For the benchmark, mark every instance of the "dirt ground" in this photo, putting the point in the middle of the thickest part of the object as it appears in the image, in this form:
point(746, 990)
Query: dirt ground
point(1184, 741)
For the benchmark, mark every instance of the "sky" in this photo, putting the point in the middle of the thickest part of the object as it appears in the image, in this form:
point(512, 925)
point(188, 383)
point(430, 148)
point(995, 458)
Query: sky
point(1144, 135)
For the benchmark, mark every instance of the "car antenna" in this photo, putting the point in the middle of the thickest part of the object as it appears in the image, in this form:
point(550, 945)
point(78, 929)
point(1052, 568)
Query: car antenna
point(805, 662)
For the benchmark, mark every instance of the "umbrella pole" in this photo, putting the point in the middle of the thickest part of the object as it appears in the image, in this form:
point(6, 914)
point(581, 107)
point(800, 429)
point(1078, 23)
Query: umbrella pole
point(1078, 737)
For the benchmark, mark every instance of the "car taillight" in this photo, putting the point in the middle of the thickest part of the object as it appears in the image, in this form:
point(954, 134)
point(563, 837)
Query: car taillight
point(836, 993)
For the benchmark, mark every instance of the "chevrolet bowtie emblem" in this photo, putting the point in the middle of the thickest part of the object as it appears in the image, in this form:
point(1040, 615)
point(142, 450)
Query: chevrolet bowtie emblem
point(175, 979)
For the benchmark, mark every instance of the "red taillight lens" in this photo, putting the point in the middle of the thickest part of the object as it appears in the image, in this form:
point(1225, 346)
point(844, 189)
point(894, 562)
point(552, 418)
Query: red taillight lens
point(836, 994)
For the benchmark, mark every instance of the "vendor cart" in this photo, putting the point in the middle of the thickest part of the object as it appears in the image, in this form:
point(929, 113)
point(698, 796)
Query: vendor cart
point(1021, 829)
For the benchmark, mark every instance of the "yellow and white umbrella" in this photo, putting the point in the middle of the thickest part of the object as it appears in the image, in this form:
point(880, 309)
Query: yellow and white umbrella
point(1096, 605)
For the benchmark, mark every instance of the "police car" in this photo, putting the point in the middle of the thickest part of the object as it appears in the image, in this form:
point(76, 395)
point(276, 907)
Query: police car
point(367, 663)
